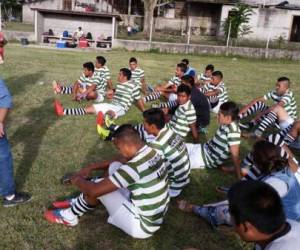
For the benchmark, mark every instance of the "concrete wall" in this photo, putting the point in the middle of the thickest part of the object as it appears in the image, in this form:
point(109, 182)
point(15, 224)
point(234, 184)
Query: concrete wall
point(58, 23)
point(269, 1)
point(28, 14)
point(17, 35)
point(202, 49)
point(267, 21)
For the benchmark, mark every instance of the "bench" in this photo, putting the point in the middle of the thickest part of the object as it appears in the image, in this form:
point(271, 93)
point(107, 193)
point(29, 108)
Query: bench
point(99, 43)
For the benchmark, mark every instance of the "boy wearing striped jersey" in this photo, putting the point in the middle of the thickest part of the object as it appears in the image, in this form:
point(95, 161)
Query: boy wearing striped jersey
point(281, 114)
point(137, 74)
point(126, 93)
point(168, 90)
point(224, 144)
point(184, 119)
point(215, 91)
point(135, 193)
point(171, 146)
point(103, 71)
point(89, 86)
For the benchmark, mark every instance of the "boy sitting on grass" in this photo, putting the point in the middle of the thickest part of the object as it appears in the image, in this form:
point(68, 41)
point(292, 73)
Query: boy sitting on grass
point(137, 74)
point(284, 106)
point(103, 71)
point(215, 91)
point(205, 77)
point(224, 144)
point(89, 86)
point(126, 93)
point(168, 90)
point(135, 192)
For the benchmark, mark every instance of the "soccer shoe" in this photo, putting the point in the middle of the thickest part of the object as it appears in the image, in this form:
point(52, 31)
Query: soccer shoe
point(104, 134)
point(108, 120)
point(100, 119)
point(59, 110)
point(56, 87)
point(19, 198)
point(62, 204)
point(54, 216)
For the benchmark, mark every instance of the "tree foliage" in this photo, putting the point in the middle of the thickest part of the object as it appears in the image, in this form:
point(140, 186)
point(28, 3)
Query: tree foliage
point(238, 18)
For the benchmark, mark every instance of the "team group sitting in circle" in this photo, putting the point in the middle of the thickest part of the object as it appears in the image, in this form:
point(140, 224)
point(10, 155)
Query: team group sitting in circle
point(155, 161)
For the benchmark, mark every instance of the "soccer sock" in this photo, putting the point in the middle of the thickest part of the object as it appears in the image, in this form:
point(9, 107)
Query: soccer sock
point(258, 106)
point(288, 139)
point(267, 121)
point(141, 130)
point(153, 96)
point(66, 90)
point(169, 104)
point(79, 207)
point(74, 111)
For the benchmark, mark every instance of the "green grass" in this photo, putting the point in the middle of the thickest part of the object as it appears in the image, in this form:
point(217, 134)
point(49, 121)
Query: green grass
point(18, 26)
point(45, 147)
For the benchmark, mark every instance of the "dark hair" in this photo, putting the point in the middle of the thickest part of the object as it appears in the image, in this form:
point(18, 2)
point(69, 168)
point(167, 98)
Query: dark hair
point(101, 60)
point(230, 108)
point(217, 73)
point(89, 66)
point(267, 157)
point(132, 59)
point(182, 67)
point(155, 116)
point(284, 79)
point(185, 61)
point(182, 88)
point(189, 79)
point(210, 67)
point(127, 134)
point(126, 72)
point(257, 203)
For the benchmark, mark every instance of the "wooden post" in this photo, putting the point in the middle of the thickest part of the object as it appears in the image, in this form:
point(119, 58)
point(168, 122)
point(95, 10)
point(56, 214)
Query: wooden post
point(228, 35)
point(101, 7)
point(151, 30)
point(0, 18)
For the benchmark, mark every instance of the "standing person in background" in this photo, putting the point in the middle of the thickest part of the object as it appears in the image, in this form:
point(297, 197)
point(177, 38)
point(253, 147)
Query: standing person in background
point(7, 184)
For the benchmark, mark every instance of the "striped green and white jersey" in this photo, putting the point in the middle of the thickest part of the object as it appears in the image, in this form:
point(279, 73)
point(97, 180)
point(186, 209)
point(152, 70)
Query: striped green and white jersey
point(103, 71)
point(94, 79)
point(145, 176)
point(175, 80)
point(222, 96)
point(173, 148)
point(184, 116)
point(216, 151)
point(126, 93)
point(137, 75)
point(288, 99)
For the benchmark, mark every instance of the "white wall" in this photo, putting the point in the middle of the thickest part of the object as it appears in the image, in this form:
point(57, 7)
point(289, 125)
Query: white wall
point(268, 2)
point(265, 22)
point(58, 23)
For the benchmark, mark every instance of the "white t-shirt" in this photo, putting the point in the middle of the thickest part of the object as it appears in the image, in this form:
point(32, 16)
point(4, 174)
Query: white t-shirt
point(289, 241)
point(279, 185)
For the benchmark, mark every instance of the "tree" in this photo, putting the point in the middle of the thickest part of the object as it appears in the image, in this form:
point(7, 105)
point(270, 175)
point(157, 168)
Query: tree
point(149, 6)
point(238, 19)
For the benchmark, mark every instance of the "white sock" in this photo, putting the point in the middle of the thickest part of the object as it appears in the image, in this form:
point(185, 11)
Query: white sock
point(68, 214)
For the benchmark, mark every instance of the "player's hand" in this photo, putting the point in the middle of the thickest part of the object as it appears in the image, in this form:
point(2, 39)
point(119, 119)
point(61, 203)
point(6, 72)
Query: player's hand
point(76, 179)
point(84, 172)
point(2, 133)
point(111, 113)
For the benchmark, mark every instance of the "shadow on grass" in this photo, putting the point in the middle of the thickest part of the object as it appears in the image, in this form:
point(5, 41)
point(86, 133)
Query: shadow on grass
point(17, 85)
point(31, 135)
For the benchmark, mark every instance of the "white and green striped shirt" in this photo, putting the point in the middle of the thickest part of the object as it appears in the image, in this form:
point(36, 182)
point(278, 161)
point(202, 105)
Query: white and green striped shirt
point(173, 148)
point(288, 99)
point(126, 93)
point(184, 116)
point(145, 176)
point(103, 71)
point(216, 151)
point(137, 75)
point(222, 96)
point(94, 79)
point(175, 80)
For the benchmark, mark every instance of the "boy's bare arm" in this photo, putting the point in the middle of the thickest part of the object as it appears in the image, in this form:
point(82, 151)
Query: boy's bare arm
point(194, 132)
point(235, 156)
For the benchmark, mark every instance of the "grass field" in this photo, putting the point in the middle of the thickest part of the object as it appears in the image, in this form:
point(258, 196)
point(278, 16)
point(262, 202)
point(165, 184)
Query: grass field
point(45, 147)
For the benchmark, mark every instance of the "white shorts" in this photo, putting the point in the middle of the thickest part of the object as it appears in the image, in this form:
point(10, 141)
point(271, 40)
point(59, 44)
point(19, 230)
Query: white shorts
point(195, 155)
point(172, 97)
point(100, 96)
point(104, 107)
point(216, 108)
point(286, 123)
point(122, 213)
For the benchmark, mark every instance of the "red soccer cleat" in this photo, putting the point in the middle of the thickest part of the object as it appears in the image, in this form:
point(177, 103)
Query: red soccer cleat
point(54, 216)
point(59, 110)
point(100, 119)
point(62, 204)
